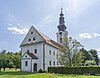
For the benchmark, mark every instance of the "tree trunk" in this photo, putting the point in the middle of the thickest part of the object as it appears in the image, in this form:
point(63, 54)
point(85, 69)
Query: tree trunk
point(4, 68)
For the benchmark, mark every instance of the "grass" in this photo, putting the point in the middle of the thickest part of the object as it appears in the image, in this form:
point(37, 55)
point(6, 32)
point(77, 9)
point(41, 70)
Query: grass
point(17, 74)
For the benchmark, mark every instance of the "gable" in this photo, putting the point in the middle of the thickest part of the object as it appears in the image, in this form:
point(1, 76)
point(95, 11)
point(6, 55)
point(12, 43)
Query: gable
point(32, 36)
point(26, 56)
point(29, 55)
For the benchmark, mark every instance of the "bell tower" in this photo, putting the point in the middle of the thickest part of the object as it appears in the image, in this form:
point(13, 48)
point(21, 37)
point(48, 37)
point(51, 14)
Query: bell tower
point(62, 33)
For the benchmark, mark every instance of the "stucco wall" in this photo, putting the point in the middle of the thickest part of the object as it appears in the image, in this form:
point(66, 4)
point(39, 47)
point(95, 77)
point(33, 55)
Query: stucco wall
point(50, 57)
point(39, 55)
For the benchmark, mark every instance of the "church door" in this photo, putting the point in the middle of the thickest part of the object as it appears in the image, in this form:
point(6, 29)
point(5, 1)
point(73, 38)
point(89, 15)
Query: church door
point(35, 67)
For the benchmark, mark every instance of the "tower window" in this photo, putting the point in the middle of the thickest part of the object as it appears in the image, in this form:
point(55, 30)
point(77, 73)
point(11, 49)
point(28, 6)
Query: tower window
point(35, 50)
point(49, 62)
point(33, 38)
point(60, 33)
point(26, 63)
point(60, 40)
point(29, 39)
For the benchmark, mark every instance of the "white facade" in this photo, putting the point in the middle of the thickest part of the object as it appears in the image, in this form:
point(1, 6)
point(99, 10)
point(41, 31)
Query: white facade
point(41, 48)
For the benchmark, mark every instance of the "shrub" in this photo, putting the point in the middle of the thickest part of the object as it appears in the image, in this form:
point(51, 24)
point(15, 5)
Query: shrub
point(74, 70)
point(42, 71)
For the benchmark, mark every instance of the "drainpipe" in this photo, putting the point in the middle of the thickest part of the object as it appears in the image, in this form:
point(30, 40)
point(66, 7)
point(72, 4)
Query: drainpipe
point(44, 56)
point(31, 65)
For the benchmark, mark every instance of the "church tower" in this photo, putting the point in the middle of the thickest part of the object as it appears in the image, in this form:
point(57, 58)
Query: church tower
point(62, 33)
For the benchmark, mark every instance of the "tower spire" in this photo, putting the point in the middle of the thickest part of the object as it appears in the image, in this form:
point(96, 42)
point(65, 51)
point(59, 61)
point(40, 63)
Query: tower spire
point(61, 25)
point(62, 33)
point(61, 9)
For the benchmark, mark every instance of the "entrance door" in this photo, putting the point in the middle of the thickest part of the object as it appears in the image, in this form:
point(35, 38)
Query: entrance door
point(35, 67)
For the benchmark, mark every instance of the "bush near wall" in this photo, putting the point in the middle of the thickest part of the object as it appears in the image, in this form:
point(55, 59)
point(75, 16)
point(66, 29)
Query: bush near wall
point(74, 70)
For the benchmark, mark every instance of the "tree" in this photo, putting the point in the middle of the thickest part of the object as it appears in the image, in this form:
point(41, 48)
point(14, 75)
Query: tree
point(86, 55)
point(0, 61)
point(3, 59)
point(95, 56)
point(9, 60)
point(78, 59)
point(69, 49)
point(16, 60)
point(90, 63)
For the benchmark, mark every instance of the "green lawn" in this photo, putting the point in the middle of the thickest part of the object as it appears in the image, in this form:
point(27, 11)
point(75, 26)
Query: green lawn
point(18, 74)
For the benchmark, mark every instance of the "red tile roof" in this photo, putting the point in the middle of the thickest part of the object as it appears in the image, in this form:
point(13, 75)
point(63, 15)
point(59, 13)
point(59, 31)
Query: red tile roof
point(50, 41)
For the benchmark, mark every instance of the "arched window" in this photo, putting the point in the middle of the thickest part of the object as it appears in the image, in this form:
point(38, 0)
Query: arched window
point(60, 33)
point(26, 63)
point(28, 51)
point(60, 40)
point(33, 38)
point(29, 40)
point(35, 51)
point(49, 62)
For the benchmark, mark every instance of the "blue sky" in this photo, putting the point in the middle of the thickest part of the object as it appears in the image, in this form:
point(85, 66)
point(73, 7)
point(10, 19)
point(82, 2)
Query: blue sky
point(82, 19)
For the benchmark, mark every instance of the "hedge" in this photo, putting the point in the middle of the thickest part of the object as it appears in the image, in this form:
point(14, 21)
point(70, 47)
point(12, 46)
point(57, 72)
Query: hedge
point(74, 70)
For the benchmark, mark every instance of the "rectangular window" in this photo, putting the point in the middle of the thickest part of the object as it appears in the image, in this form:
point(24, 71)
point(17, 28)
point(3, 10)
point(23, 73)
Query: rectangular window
point(49, 62)
point(26, 63)
point(54, 53)
point(57, 54)
point(57, 63)
point(53, 62)
point(50, 52)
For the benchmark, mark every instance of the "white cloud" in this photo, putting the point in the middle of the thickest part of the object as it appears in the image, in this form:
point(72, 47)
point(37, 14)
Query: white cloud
point(96, 35)
point(88, 36)
point(85, 35)
point(15, 30)
point(98, 50)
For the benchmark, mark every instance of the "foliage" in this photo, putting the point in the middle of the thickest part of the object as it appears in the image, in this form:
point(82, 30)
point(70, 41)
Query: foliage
point(42, 71)
point(70, 49)
point(82, 57)
point(11, 73)
point(95, 55)
point(90, 63)
point(9, 60)
point(78, 59)
point(85, 57)
point(74, 70)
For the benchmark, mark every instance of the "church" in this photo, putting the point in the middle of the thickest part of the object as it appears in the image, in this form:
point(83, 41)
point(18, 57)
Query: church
point(39, 51)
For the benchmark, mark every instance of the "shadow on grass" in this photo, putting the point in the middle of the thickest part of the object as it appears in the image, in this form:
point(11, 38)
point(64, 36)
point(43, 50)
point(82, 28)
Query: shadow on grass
point(15, 73)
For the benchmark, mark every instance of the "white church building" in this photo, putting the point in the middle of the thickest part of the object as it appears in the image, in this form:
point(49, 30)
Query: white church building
point(39, 51)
